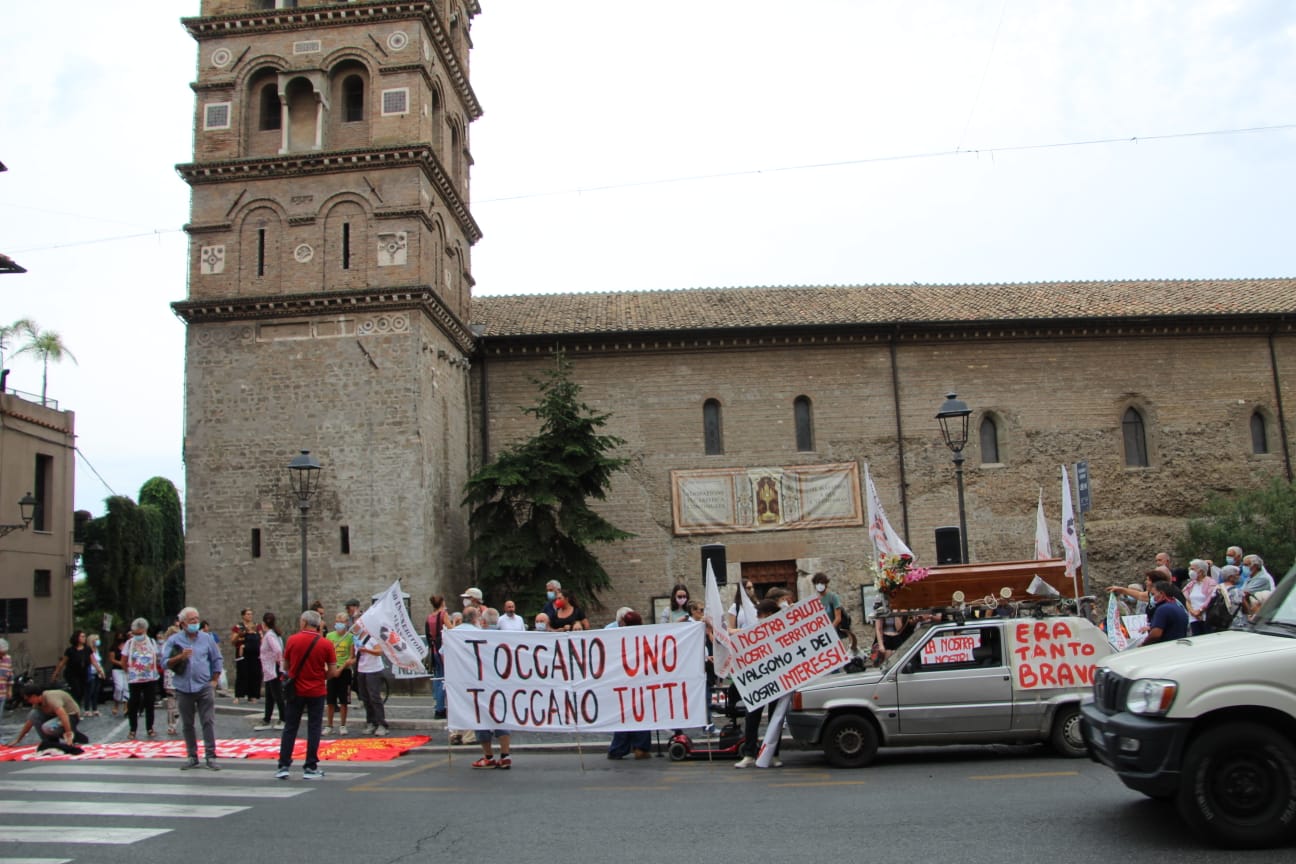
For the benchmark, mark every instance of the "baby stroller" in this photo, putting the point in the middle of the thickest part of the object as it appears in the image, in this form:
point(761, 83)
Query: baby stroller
point(729, 739)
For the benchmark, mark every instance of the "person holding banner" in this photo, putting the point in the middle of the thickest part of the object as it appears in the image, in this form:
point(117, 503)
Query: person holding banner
point(472, 620)
point(751, 725)
point(438, 621)
point(678, 609)
point(640, 741)
point(568, 616)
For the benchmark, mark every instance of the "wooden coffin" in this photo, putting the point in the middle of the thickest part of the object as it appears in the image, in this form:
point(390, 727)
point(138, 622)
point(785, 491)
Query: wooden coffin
point(976, 581)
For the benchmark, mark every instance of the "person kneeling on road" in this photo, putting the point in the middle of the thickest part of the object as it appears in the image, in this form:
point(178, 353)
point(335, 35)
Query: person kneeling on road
point(55, 715)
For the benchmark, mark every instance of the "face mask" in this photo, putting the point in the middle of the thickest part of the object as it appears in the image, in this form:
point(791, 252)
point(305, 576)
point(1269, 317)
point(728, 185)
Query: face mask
point(540, 625)
point(784, 604)
point(560, 604)
point(821, 588)
point(550, 595)
point(339, 627)
point(467, 602)
point(1230, 560)
point(193, 628)
point(140, 637)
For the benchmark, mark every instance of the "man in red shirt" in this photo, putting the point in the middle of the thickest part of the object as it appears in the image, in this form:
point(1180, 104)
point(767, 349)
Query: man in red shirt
point(309, 660)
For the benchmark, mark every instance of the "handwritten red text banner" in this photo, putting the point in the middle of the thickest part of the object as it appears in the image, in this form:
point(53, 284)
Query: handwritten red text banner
point(1055, 652)
point(784, 652)
point(625, 678)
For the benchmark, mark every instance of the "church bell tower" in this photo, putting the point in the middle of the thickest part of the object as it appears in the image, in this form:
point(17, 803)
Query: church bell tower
point(328, 298)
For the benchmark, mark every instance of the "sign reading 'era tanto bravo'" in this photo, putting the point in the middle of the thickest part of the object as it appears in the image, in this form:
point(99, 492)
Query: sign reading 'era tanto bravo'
point(784, 652)
point(710, 501)
point(626, 678)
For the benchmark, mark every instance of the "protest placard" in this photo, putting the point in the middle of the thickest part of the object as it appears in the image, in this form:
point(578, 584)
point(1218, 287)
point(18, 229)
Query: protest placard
point(627, 678)
point(784, 652)
point(1054, 652)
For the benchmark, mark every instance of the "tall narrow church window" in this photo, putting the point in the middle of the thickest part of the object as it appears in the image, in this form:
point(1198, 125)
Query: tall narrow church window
point(1136, 454)
point(1259, 435)
point(712, 437)
point(989, 441)
point(353, 99)
point(261, 250)
point(270, 115)
point(804, 420)
point(346, 245)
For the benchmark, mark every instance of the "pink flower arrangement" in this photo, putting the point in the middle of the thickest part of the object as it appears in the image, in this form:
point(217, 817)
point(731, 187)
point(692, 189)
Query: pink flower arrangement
point(896, 571)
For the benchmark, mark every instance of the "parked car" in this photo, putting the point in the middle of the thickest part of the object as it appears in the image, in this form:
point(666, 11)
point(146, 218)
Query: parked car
point(985, 681)
point(1209, 722)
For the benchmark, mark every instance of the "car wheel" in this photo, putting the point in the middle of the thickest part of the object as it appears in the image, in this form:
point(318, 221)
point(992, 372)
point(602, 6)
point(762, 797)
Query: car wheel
point(849, 741)
point(1068, 736)
point(677, 751)
point(1239, 786)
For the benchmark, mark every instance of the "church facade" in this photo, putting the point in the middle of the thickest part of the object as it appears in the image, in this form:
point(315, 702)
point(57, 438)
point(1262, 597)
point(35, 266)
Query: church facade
point(330, 308)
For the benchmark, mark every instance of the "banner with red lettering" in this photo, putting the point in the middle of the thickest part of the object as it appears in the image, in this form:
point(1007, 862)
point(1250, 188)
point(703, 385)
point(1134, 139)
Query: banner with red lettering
point(784, 652)
point(626, 678)
point(1055, 652)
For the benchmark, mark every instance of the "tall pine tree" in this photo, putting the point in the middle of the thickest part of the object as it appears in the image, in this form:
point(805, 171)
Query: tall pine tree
point(531, 515)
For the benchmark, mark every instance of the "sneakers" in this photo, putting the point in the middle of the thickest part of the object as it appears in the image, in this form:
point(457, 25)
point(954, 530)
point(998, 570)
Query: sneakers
point(278, 724)
point(382, 731)
point(313, 774)
point(369, 728)
point(439, 715)
point(642, 754)
point(189, 764)
point(328, 730)
point(777, 763)
point(486, 762)
point(504, 763)
point(72, 750)
point(281, 774)
point(263, 727)
point(745, 762)
point(211, 764)
point(342, 730)
point(709, 728)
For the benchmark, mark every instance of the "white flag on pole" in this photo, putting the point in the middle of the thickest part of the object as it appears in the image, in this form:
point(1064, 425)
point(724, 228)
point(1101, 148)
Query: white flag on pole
point(1043, 548)
point(721, 650)
point(885, 539)
point(1070, 540)
point(387, 624)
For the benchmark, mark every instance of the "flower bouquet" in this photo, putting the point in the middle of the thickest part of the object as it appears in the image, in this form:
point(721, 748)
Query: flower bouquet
point(896, 571)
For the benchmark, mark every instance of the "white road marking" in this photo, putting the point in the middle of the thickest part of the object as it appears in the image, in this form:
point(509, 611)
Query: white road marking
point(76, 834)
point(197, 790)
point(134, 769)
point(118, 808)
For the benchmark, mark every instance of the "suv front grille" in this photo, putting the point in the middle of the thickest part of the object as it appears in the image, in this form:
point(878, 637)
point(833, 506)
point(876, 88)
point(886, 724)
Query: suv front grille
point(1110, 690)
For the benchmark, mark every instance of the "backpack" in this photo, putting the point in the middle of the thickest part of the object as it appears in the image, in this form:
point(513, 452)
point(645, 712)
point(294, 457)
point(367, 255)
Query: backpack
point(1218, 615)
point(845, 620)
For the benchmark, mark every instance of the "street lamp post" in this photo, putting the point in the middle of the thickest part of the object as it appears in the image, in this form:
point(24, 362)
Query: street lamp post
point(304, 471)
point(26, 509)
point(953, 417)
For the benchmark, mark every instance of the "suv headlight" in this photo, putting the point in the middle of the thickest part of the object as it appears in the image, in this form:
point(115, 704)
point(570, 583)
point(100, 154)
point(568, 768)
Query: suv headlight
point(1151, 697)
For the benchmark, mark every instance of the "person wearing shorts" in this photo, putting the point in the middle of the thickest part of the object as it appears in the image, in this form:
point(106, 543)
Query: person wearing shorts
point(339, 688)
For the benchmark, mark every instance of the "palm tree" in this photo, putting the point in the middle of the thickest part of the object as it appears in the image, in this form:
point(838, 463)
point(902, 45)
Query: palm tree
point(49, 345)
point(8, 331)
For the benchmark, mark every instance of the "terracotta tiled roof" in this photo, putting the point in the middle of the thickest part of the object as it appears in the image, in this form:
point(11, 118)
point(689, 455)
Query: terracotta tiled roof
point(742, 308)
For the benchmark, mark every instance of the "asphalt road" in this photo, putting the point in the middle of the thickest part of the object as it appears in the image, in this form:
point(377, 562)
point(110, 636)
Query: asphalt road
point(968, 804)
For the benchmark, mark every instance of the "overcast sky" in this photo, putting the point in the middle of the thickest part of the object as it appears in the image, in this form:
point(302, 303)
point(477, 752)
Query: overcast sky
point(677, 144)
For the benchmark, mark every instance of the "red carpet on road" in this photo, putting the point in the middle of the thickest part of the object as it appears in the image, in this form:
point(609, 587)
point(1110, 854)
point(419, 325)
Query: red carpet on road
point(331, 750)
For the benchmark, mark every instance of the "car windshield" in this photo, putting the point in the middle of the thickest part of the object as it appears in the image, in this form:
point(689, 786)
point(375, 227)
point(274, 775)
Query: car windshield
point(918, 633)
point(1280, 609)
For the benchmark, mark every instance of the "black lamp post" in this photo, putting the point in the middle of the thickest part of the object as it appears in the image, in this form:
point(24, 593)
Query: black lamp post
point(27, 510)
point(953, 417)
point(304, 470)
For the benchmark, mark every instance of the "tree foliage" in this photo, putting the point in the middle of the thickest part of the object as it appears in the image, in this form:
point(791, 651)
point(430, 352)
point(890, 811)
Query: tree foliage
point(531, 515)
point(134, 555)
point(1262, 521)
point(45, 344)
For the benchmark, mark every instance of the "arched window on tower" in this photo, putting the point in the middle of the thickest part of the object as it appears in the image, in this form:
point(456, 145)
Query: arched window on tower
point(803, 416)
point(1136, 452)
point(269, 115)
point(1259, 434)
point(353, 99)
point(989, 441)
point(712, 433)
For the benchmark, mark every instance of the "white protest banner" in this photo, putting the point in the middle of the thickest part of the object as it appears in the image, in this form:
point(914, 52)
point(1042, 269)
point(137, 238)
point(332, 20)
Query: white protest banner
point(721, 649)
point(786, 651)
point(627, 678)
point(1043, 548)
point(773, 732)
point(1136, 626)
point(885, 539)
point(1116, 633)
point(951, 648)
point(1055, 652)
point(387, 624)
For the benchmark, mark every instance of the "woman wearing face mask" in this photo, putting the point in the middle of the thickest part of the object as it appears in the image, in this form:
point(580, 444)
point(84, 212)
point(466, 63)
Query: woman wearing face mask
point(143, 668)
point(73, 665)
point(94, 677)
point(678, 610)
point(1198, 591)
point(567, 615)
point(339, 688)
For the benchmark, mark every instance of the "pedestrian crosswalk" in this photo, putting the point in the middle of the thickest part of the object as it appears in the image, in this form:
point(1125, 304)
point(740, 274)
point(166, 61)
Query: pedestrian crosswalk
point(69, 808)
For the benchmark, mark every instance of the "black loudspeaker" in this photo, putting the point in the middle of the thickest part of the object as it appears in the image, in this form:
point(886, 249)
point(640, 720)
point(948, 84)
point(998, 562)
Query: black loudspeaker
point(715, 553)
point(948, 547)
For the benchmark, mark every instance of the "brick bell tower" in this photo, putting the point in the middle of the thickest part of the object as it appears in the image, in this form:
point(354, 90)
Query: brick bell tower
point(328, 296)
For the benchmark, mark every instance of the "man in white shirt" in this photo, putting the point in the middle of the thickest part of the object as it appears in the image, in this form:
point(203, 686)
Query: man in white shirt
point(510, 620)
